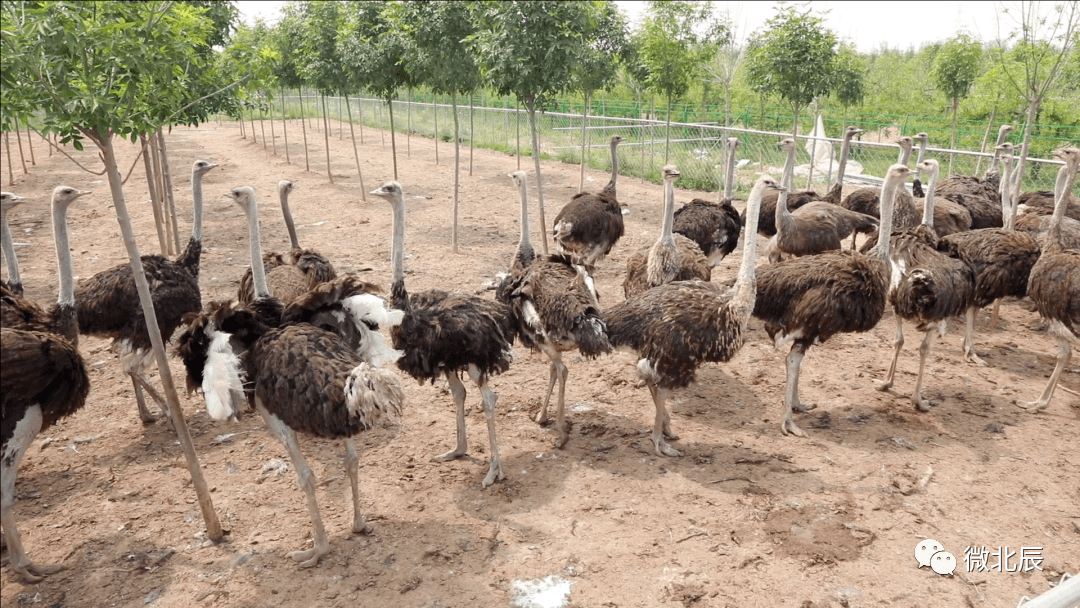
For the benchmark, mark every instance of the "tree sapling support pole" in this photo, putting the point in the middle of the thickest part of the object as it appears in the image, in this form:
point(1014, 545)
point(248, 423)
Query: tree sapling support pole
point(352, 133)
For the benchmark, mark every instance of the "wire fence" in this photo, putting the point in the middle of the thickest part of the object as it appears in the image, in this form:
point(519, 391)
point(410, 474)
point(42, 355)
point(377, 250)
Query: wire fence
point(698, 149)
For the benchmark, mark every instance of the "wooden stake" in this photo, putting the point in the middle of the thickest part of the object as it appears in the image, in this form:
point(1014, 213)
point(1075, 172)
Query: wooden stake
point(33, 161)
point(307, 162)
point(159, 222)
point(352, 133)
point(326, 137)
point(166, 175)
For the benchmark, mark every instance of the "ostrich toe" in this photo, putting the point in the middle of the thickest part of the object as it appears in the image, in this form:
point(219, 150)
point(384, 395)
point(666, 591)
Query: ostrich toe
point(311, 557)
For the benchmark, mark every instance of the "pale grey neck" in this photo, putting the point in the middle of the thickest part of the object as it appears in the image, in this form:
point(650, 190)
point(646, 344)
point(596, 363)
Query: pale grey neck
point(753, 210)
point(729, 179)
point(523, 194)
point(845, 148)
point(905, 155)
point(196, 195)
point(789, 171)
point(888, 203)
point(922, 151)
point(1002, 132)
point(63, 254)
point(1062, 188)
point(666, 227)
point(928, 202)
point(9, 250)
point(289, 225)
point(614, 163)
point(1008, 210)
point(258, 272)
point(397, 244)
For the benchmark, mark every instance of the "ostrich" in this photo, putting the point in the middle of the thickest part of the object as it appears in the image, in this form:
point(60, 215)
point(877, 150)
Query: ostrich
point(673, 257)
point(590, 224)
point(817, 226)
point(980, 195)
point(1041, 202)
point(809, 299)
point(835, 194)
point(43, 378)
point(108, 303)
point(294, 274)
point(1039, 225)
point(446, 334)
point(1002, 259)
point(1054, 284)
point(676, 327)
point(714, 227)
point(927, 286)
point(916, 184)
point(13, 283)
point(338, 392)
point(795, 200)
point(867, 200)
point(729, 176)
point(555, 310)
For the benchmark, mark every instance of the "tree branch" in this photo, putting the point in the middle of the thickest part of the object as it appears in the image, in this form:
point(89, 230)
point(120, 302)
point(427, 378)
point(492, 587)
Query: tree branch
point(207, 96)
point(60, 150)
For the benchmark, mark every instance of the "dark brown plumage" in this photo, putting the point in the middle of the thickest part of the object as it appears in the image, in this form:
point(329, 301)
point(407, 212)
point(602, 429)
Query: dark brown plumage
point(678, 326)
point(590, 224)
point(673, 257)
point(767, 214)
point(1054, 283)
point(807, 300)
point(1038, 226)
point(291, 275)
point(446, 334)
point(43, 378)
point(109, 307)
point(1041, 202)
point(714, 227)
point(554, 310)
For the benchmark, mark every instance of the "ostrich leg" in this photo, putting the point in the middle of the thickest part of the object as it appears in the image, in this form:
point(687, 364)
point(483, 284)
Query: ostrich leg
point(287, 436)
point(495, 472)
point(969, 337)
point(924, 351)
point(140, 382)
point(994, 317)
point(662, 423)
point(457, 389)
point(144, 413)
point(553, 374)
point(898, 343)
point(352, 467)
point(557, 367)
point(791, 395)
point(1064, 354)
point(25, 432)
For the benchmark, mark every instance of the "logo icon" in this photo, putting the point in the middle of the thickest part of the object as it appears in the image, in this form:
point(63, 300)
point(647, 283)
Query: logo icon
point(943, 562)
point(931, 553)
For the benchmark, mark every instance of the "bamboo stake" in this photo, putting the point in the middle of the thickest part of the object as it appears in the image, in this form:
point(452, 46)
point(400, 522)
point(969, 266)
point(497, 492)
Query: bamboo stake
point(262, 126)
point(33, 161)
point(18, 139)
point(251, 117)
point(157, 194)
point(7, 146)
point(352, 133)
point(435, 108)
point(159, 224)
point(284, 129)
point(307, 162)
point(326, 136)
point(166, 175)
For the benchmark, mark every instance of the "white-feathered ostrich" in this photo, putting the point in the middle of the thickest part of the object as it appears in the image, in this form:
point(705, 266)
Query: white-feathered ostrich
point(1002, 259)
point(927, 286)
point(13, 283)
point(337, 392)
point(445, 334)
point(43, 378)
point(676, 327)
point(295, 273)
point(555, 310)
point(590, 224)
point(1054, 284)
point(673, 257)
point(109, 306)
point(807, 300)
point(817, 226)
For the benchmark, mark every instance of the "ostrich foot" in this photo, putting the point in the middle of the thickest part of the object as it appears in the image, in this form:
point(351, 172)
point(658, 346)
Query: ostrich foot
point(542, 417)
point(802, 407)
point(451, 455)
point(922, 405)
point(495, 473)
point(564, 436)
point(663, 449)
point(788, 427)
point(669, 434)
point(35, 573)
point(360, 526)
point(1033, 406)
point(882, 385)
point(311, 557)
point(972, 356)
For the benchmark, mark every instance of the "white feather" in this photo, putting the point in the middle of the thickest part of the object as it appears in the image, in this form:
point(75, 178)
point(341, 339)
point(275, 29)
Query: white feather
point(531, 317)
point(899, 268)
point(374, 395)
point(223, 382)
point(648, 372)
point(372, 309)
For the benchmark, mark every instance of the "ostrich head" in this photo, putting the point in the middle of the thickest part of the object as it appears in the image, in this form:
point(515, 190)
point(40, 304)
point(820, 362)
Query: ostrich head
point(922, 137)
point(201, 167)
point(768, 183)
point(390, 191)
point(1005, 148)
point(905, 142)
point(788, 144)
point(284, 186)
point(616, 140)
point(852, 131)
point(670, 173)
point(518, 177)
point(243, 196)
point(65, 195)
point(930, 168)
point(9, 201)
point(1069, 156)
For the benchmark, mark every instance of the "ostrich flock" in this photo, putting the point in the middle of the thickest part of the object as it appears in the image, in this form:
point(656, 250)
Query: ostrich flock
point(313, 351)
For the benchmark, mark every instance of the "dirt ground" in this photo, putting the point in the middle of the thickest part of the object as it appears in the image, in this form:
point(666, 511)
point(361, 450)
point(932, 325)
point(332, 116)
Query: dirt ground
point(746, 517)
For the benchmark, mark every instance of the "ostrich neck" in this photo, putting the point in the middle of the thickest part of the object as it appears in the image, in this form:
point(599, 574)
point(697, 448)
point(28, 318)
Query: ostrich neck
point(9, 250)
point(1008, 210)
point(397, 244)
point(745, 284)
point(845, 148)
point(888, 202)
point(1002, 132)
point(614, 168)
point(928, 202)
point(295, 242)
point(666, 235)
point(1062, 187)
point(258, 272)
point(783, 217)
point(729, 179)
point(922, 151)
point(905, 155)
point(525, 249)
point(63, 255)
point(196, 195)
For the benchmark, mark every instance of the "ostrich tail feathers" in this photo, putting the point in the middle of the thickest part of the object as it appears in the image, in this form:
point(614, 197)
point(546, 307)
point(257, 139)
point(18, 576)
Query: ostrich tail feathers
point(592, 338)
point(223, 380)
point(374, 395)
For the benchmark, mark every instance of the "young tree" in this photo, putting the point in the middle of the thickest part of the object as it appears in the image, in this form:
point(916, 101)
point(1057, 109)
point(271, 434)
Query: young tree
point(955, 68)
point(793, 57)
point(1041, 44)
point(321, 60)
point(530, 49)
point(97, 70)
point(597, 68)
point(726, 62)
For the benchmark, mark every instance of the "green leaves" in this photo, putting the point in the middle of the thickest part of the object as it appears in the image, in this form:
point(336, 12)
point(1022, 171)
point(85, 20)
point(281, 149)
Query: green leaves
point(956, 66)
point(674, 44)
point(794, 56)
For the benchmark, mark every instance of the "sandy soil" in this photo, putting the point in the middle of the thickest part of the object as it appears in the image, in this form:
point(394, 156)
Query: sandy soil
point(747, 517)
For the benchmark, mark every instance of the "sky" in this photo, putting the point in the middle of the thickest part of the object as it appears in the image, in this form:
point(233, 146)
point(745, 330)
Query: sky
point(868, 25)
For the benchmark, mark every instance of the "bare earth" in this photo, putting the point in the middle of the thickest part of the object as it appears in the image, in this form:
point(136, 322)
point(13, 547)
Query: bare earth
point(747, 517)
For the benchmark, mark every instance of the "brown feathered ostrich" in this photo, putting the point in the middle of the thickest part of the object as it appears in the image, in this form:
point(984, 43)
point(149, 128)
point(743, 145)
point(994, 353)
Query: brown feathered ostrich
point(927, 286)
point(1054, 284)
point(555, 310)
point(673, 257)
point(868, 200)
point(1002, 259)
point(295, 273)
point(336, 393)
point(445, 334)
point(817, 226)
point(676, 327)
point(835, 193)
point(807, 300)
point(980, 195)
point(590, 224)
point(109, 307)
point(713, 227)
point(43, 378)
point(13, 283)
point(1041, 203)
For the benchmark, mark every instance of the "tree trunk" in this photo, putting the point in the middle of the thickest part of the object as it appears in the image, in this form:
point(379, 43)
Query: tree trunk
point(584, 143)
point(33, 161)
point(667, 131)
point(155, 204)
point(284, 126)
point(393, 140)
point(360, 111)
point(262, 127)
point(457, 171)
point(11, 173)
point(251, 117)
point(952, 137)
point(517, 123)
point(18, 140)
point(273, 135)
point(352, 134)
point(435, 111)
point(170, 200)
point(472, 133)
point(213, 526)
point(531, 109)
point(1018, 175)
point(340, 127)
point(408, 131)
point(986, 136)
point(727, 105)
point(326, 139)
point(159, 195)
point(303, 127)
point(243, 133)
